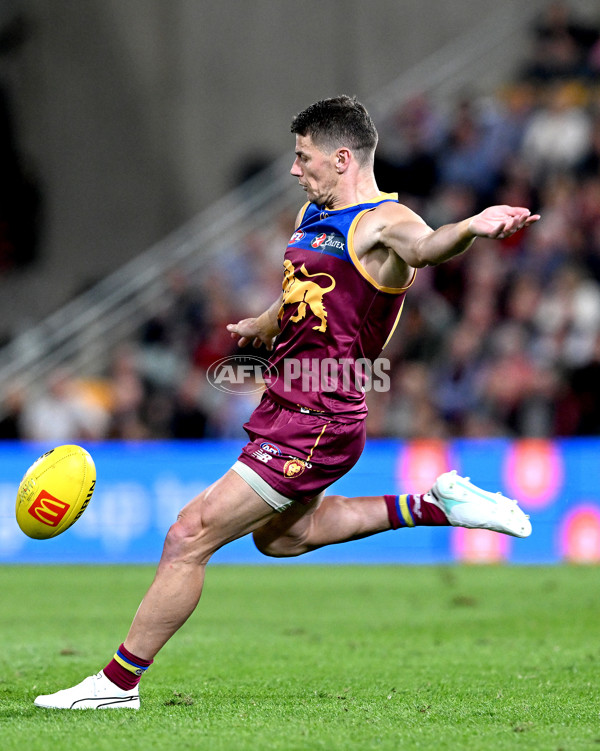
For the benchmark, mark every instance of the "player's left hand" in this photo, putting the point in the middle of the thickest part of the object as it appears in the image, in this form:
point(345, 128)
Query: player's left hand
point(501, 221)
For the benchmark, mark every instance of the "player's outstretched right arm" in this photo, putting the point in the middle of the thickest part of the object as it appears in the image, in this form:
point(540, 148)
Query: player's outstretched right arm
point(418, 245)
point(258, 331)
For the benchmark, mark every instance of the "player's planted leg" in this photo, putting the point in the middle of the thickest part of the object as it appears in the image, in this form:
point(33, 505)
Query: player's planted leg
point(227, 510)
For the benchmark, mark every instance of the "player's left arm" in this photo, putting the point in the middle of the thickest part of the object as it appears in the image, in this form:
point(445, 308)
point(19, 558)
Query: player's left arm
point(406, 234)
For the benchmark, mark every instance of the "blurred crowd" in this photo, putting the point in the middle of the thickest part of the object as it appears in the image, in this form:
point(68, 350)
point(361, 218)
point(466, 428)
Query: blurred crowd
point(502, 341)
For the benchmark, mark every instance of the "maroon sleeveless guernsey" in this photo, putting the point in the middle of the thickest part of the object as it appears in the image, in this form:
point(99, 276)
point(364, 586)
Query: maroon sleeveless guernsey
point(335, 319)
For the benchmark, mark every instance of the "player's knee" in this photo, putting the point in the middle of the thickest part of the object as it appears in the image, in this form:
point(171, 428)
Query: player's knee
point(188, 540)
point(180, 541)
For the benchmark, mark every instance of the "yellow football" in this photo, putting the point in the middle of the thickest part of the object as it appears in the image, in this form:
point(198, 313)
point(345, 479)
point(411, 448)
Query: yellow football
point(55, 491)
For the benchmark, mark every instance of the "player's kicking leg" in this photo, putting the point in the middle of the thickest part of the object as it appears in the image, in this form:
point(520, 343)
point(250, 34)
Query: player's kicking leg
point(227, 510)
point(452, 501)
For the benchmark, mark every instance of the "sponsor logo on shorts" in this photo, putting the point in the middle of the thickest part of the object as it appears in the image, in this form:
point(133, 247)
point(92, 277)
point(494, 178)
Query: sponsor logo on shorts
point(294, 467)
point(262, 456)
point(271, 448)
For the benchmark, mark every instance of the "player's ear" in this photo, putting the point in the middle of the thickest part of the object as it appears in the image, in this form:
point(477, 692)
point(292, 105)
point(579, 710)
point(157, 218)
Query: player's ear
point(342, 159)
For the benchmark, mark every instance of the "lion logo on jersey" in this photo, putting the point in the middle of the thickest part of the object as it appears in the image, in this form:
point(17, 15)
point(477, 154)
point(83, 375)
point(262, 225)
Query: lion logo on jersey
point(305, 293)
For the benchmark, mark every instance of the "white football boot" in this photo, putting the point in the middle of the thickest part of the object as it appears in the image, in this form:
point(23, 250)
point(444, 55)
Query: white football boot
point(466, 505)
point(95, 692)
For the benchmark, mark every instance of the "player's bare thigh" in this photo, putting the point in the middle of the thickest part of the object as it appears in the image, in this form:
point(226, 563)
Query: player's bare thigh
point(226, 510)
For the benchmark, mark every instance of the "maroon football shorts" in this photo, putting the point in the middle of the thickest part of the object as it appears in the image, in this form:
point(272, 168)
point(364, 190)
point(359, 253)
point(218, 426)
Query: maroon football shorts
point(299, 455)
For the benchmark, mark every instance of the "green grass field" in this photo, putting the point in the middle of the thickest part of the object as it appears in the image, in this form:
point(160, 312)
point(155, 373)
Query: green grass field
point(461, 658)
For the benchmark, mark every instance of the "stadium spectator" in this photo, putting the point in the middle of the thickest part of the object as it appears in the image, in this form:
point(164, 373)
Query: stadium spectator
point(470, 157)
point(407, 162)
point(127, 396)
point(579, 412)
point(12, 407)
point(567, 318)
point(190, 415)
point(64, 412)
point(455, 390)
point(559, 134)
point(563, 45)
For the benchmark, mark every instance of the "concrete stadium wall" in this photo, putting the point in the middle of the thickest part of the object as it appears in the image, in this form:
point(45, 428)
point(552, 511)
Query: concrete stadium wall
point(135, 114)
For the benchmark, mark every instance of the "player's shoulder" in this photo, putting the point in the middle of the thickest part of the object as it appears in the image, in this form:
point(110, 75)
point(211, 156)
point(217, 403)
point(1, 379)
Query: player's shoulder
point(395, 210)
point(377, 228)
point(387, 213)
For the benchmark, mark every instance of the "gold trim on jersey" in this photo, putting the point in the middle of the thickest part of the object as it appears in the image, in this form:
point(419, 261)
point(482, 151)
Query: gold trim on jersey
point(385, 344)
point(379, 198)
point(361, 269)
point(301, 213)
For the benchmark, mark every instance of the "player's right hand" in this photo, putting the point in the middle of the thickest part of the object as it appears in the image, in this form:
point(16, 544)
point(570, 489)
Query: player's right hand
point(249, 331)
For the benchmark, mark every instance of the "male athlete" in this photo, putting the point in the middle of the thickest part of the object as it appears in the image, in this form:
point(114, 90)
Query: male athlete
point(348, 264)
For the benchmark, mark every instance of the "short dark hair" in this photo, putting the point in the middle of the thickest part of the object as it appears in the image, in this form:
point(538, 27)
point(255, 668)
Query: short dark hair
point(336, 122)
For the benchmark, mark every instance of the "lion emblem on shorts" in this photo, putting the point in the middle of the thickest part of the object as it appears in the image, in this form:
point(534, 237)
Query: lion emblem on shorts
point(294, 467)
point(305, 293)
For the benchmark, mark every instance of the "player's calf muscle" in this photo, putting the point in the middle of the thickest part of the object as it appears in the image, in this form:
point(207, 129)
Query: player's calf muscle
point(274, 543)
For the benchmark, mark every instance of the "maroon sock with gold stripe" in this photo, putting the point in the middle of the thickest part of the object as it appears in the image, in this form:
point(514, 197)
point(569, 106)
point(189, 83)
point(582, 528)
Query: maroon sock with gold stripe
point(414, 511)
point(125, 669)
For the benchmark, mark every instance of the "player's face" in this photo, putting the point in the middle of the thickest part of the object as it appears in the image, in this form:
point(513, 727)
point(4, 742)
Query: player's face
point(315, 171)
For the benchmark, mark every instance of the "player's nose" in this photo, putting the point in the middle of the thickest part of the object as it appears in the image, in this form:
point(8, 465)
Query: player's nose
point(295, 170)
